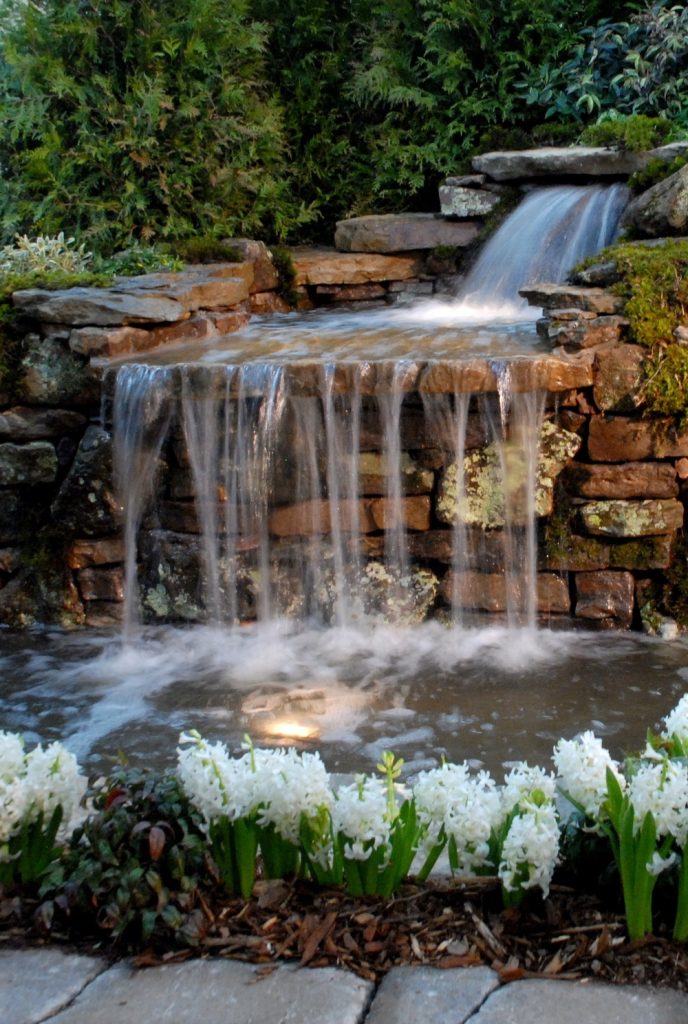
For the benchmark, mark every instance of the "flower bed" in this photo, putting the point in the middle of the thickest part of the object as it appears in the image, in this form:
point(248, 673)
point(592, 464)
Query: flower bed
point(147, 848)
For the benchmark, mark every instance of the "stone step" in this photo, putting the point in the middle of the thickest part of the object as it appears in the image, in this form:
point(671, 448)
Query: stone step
point(404, 232)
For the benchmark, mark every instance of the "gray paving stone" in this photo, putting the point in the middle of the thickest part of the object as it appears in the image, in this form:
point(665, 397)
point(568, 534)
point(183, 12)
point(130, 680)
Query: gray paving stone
point(525, 1002)
point(221, 992)
point(35, 983)
point(427, 995)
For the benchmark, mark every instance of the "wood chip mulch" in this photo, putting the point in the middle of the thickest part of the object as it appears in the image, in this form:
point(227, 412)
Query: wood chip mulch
point(445, 925)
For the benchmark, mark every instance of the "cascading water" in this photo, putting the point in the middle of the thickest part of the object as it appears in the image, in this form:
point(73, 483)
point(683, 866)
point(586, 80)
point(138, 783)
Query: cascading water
point(308, 493)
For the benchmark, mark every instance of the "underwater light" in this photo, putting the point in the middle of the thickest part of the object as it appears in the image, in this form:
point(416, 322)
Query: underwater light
point(291, 730)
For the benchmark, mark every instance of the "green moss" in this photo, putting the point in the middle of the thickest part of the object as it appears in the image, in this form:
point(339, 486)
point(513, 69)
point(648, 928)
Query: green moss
point(286, 273)
point(637, 133)
point(672, 592)
point(665, 386)
point(654, 171)
point(558, 527)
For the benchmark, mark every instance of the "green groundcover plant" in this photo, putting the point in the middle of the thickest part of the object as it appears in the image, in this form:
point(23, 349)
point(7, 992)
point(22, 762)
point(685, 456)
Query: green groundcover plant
point(137, 862)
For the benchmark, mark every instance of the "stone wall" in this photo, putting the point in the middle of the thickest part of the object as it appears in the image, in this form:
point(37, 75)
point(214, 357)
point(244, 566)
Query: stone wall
point(613, 500)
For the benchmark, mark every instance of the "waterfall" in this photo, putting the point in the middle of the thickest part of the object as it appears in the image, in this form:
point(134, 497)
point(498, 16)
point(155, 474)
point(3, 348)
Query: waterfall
point(548, 233)
point(337, 491)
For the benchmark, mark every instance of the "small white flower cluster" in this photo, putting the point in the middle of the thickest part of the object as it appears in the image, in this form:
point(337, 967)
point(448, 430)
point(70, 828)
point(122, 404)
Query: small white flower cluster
point(36, 783)
point(582, 766)
point(468, 808)
point(361, 814)
point(676, 722)
point(531, 848)
point(276, 786)
point(661, 787)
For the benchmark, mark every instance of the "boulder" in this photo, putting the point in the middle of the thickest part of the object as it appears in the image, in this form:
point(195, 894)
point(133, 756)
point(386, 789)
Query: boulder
point(395, 598)
point(23, 423)
point(52, 375)
point(117, 341)
point(86, 503)
point(463, 202)
point(98, 584)
point(622, 439)
point(29, 464)
point(663, 209)
point(325, 266)
point(99, 306)
point(559, 162)
point(86, 553)
point(605, 595)
point(582, 330)
point(401, 232)
point(411, 514)
point(265, 277)
point(487, 592)
point(559, 372)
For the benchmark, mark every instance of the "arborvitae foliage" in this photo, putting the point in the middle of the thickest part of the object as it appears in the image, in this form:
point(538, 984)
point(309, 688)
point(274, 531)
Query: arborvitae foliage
point(124, 120)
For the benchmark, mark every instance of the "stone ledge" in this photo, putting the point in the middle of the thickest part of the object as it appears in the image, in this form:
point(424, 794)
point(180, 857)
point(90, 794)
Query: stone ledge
point(564, 162)
point(403, 232)
point(326, 266)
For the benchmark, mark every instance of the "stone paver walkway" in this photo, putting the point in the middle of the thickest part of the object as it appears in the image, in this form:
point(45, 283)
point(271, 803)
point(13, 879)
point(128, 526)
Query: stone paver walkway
point(49, 985)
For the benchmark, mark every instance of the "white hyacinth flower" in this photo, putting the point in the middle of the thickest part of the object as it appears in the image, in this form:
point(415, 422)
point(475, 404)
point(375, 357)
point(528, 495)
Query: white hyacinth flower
point(582, 765)
point(218, 785)
point(526, 783)
point(676, 722)
point(662, 789)
point(466, 806)
point(289, 784)
point(361, 814)
point(52, 778)
point(11, 756)
point(531, 849)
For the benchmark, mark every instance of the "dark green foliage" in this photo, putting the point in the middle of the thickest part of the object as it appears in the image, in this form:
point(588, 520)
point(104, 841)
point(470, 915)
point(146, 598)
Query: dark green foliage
point(139, 259)
point(636, 133)
point(203, 250)
point(122, 121)
point(133, 869)
point(636, 66)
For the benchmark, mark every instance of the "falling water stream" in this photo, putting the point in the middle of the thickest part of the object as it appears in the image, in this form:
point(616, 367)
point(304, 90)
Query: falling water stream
point(272, 447)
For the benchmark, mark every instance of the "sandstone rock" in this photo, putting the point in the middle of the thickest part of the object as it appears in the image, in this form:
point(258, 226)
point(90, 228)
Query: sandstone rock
point(682, 469)
point(51, 375)
point(229, 321)
point(101, 584)
point(582, 332)
point(374, 471)
point(663, 209)
point(488, 592)
point(618, 378)
point(605, 595)
point(559, 161)
point(617, 518)
point(645, 554)
point(578, 554)
point(265, 278)
point(552, 296)
point(401, 288)
point(351, 293)
point(484, 502)
point(622, 480)
point(268, 302)
point(550, 373)
point(325, 266)
point(86, 503)
point(620, 439)
point(200, 287)
point(84, 554)
point(599, 275)
point(414, 513)
point(22, 423)
point(115, 341)
point(462, 201)
point(30, 464)
point(103, 306)
point(307, 518)
point(103, 614)
point(401, 232)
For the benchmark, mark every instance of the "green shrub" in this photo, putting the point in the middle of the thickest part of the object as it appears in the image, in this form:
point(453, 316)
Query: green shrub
point(43, 255)
point(203, 250)
point(636, 133)
point(133, 869)
point(136, 121)
point(140, 259)
point(655, 170)
point(638, 66)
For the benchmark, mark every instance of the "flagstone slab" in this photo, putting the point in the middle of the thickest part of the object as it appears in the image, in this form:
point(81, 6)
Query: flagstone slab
point(427, 995)
point(524, 1002)
point(221, 992)
point(35, 983)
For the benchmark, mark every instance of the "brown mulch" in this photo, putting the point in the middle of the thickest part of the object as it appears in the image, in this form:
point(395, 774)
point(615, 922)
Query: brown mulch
point(445, 925)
